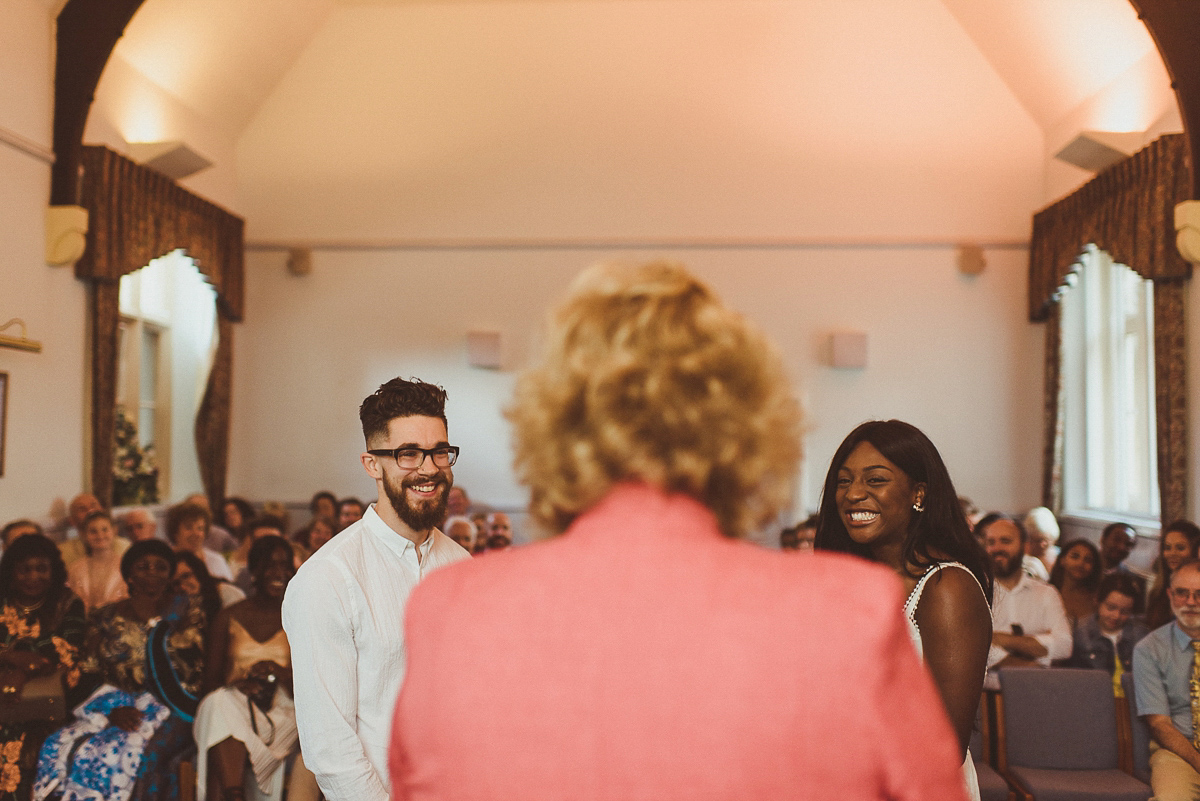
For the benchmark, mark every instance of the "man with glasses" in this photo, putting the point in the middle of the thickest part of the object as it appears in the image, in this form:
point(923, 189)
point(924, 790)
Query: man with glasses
point(1166, 680)
point(344, 610)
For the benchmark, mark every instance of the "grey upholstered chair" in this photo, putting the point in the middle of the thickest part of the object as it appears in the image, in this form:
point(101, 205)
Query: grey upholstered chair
point(992, 786)
point(1060, 729)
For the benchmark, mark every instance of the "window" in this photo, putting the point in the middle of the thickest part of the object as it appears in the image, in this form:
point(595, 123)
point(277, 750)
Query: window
point(167, 338)
point(1110, 461)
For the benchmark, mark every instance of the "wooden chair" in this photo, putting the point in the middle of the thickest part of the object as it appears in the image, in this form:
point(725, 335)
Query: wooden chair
point(992, 786)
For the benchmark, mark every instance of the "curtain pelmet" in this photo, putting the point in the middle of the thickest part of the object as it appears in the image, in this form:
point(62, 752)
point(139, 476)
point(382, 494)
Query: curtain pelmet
point(136, 215)
point(1128, 211)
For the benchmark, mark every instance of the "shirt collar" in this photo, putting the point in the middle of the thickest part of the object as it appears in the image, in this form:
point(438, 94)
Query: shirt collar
point(1181, 640)
point(391, 538)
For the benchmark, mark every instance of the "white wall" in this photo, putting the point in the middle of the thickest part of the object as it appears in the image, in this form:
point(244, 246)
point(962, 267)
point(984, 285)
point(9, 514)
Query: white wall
point(45, 433)
point(950, 354)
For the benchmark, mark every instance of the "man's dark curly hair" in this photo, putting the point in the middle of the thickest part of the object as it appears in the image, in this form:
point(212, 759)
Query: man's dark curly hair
point(400, 398)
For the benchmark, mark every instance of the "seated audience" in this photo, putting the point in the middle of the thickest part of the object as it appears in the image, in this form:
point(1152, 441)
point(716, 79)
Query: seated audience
point(131, 734)
point(265, 525)
point(139, 524)
point(192, 578)
point(499, 531)
point(96, 578)
point(799, 537)
point(1076, 576)
point(218, 538)
point(310, 538)
point(19, 528)
point(457, 503)
point(235, 513)
point(70, 541)
point(1105, 640)
point(460, 529)
point(480, 519)
point(323, 506)
point(659, 429)
point(350, 510)
point(1179, 543)
point(1116, 543)
point(1162, 675)
point(248, 717)
point(1040, 550)
point(42, 625)
point(187, 530)
point(1029, 624)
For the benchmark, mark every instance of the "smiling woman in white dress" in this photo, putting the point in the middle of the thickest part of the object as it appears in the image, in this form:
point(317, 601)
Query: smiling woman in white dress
point(889, 498)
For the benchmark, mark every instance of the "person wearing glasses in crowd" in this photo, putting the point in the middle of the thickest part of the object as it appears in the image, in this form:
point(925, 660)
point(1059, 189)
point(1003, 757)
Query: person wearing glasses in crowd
point(344, 610)
point(1163, 666)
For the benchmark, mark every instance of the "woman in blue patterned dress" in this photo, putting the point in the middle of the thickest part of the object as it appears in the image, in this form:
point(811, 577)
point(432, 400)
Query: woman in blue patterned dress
point(131, 734)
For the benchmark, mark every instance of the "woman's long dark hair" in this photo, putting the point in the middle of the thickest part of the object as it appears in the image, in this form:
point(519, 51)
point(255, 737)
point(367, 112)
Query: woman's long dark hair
point(28, 547)
point(1059, 571)
point(210, 595)
point(940, 529)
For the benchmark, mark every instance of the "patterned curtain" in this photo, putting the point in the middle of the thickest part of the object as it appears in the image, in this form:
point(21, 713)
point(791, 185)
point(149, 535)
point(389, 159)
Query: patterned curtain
point(1128, 211)
point(135, 216)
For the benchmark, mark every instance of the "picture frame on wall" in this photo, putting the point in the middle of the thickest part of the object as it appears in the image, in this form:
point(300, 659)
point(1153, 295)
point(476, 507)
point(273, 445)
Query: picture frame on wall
point(3, 416)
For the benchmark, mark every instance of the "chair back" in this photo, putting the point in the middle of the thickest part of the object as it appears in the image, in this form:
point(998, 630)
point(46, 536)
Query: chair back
point(1139, 733)
point(1059, 719)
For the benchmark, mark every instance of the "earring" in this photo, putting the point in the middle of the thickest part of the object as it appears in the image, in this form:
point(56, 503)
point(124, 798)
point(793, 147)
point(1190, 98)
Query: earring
point(917, 507)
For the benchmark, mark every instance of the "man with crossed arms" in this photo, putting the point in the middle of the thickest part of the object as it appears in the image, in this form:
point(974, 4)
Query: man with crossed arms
point(1164, 663)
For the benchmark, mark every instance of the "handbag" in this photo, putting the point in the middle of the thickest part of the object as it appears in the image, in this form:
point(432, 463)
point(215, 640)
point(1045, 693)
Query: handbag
point(41, 700)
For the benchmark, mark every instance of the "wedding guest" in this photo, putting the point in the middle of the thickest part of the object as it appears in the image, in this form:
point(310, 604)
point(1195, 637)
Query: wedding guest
point(460, 529)
point(139, 524)
point(1076, 576)
point(1042, 528)
point(310, 538)
point(646, 652)
point(18, 528)
point(323, 505)
point(1105, 640)
point(350, 510)
point(191, 578)
point(1179, 543)
point(235, 513)
point(187, 530)
point(130, 736)
point(801, 536)
point(217, 538)
point(248, 717)
point(96, 578)
point(888, 497)
point(42, 627)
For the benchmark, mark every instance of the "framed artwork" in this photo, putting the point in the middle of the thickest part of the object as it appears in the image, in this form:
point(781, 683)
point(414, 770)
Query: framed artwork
point(3, 413)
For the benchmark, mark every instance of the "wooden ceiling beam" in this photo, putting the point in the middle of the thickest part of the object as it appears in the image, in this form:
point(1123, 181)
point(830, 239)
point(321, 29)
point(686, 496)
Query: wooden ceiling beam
point(1175, 27)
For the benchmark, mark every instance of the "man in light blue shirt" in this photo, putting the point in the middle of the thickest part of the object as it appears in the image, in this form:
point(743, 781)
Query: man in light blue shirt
point(1162, 671)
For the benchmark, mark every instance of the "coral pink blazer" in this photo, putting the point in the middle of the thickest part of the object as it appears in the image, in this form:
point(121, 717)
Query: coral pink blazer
point(644, 656)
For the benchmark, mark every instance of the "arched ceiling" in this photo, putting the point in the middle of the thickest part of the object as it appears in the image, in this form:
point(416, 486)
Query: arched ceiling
point(402, 119)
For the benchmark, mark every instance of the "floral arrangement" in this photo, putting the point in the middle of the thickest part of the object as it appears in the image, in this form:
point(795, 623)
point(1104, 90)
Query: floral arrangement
point(135, 474)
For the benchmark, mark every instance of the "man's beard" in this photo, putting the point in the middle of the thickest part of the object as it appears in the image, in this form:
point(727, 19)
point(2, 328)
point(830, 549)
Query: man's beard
point(1003, 567)
point(428, 514)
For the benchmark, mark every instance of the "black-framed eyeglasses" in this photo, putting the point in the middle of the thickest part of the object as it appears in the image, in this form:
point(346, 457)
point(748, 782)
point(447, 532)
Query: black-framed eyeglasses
point(1184, 595)
point(412, 458)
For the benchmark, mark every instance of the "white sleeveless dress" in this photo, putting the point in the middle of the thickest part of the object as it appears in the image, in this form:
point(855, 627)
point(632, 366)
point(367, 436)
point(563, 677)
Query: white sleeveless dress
point(910, 614)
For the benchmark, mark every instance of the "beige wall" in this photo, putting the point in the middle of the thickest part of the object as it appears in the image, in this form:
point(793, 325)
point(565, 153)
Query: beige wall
point(44, 443)
point(948, 353)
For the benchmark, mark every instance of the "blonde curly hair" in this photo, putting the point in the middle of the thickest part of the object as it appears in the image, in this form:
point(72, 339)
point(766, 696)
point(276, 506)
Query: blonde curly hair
point(648, 377)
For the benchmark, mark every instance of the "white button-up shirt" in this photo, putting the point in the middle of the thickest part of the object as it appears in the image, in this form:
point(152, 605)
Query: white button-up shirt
point(1038, 608)
point(344, 618)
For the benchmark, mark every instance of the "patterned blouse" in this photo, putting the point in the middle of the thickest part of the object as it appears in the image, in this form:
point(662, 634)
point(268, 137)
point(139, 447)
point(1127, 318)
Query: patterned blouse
point(118, 646)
